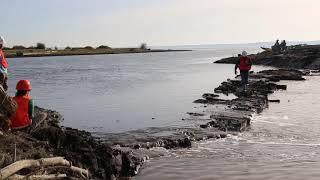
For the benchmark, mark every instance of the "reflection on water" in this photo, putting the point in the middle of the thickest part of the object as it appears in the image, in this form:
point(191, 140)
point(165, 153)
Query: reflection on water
point(283, 143)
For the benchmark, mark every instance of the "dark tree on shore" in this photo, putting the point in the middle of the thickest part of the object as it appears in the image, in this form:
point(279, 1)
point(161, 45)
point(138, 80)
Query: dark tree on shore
point(41, 46)
point(18, 47)
point(143, 46)
point(56, 48)
point(88, 47)
point(103, 47)
point(67, 48)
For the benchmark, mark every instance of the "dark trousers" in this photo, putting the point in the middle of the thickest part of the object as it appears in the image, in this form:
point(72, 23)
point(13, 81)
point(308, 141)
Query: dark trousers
point(244, 77)
point(4, 81)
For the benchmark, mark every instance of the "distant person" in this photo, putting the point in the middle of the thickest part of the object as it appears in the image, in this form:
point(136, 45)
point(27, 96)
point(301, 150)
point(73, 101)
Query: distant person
point(25, 111)
point(276, 47)
point(283, 46)
point(244, 64)
point(3, 66)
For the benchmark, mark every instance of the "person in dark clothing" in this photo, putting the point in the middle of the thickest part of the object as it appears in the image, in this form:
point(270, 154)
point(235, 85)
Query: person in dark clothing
point(244, 64)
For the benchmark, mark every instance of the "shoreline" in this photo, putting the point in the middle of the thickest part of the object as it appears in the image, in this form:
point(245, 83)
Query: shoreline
point(15, 53)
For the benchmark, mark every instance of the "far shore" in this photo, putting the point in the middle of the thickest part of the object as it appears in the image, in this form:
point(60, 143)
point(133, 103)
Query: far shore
point(15, 53)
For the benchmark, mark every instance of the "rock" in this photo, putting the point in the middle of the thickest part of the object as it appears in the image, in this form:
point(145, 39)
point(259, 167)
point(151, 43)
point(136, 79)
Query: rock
point(274, 100)
point(195, 114)
point(210, 96)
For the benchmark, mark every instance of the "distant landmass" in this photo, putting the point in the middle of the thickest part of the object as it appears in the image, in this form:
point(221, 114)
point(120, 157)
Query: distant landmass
point(236, 45)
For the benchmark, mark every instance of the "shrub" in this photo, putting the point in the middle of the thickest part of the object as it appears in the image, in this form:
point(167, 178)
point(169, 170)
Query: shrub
point(19, 54)
point(18, 47)
point(143, 46)
point(41, 46)
point(88, 47)
point(103, 47)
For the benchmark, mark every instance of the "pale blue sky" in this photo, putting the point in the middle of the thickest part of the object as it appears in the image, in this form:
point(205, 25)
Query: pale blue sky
point(157, 22)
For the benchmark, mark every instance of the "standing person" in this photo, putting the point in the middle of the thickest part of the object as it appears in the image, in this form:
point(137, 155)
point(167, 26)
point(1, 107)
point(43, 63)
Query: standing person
point(25, 112)
point(244, 64)
point(3, 66)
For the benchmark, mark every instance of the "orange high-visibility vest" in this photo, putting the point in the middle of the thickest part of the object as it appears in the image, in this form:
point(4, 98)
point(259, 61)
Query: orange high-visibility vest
point(244, 64)
point(3, 59)
point(21, 117)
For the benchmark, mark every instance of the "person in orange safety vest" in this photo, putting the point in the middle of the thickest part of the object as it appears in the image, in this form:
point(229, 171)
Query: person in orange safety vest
point(25, 111)
point(3, 66)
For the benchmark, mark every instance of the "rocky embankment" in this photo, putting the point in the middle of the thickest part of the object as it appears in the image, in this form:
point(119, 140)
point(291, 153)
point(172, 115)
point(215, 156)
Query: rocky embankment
point(297, 57)
point(114, 156)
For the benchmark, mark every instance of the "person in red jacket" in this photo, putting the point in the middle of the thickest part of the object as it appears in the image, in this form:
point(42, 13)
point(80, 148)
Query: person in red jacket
point(3, 66)
point(244, 64)
point(25, 111)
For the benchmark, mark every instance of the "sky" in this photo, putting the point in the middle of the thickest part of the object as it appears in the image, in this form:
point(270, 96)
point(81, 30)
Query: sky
point(127, 23)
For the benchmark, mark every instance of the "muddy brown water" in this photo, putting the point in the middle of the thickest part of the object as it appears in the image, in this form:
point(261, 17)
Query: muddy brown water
point(283, 143)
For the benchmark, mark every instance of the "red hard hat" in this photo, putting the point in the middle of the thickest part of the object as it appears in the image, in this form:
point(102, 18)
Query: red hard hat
point(24, 85)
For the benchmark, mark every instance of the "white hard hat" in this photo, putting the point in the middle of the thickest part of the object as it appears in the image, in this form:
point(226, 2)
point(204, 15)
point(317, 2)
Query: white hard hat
point(244, 53)
point(2, 41)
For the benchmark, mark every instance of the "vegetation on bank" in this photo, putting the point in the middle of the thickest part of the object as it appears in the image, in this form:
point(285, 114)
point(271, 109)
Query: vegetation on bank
point(41, 50)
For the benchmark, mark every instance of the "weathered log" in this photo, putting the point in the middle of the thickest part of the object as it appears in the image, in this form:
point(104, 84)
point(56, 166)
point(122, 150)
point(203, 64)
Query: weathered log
point(55, 161)
point(39, 177)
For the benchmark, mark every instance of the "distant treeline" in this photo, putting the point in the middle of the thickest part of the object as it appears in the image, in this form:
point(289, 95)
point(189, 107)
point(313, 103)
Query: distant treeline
point(43, 46)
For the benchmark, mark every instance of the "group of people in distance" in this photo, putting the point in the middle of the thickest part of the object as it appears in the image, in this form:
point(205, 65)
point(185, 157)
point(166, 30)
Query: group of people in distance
point(22, 118)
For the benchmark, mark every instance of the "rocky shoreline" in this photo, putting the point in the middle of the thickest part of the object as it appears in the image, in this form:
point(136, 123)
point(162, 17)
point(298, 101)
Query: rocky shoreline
point(115, 156)
point(295, 57)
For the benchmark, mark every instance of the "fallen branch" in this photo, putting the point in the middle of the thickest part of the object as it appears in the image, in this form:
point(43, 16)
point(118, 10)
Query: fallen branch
point(55, 161)
point(39, 177)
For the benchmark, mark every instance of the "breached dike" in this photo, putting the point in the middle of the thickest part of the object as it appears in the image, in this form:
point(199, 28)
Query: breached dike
point(295, 57)
point(234, 114)
point(122, 155)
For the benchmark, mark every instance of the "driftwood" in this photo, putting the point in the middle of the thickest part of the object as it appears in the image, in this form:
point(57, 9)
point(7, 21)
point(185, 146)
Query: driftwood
point(39, 177)
point(13, 168)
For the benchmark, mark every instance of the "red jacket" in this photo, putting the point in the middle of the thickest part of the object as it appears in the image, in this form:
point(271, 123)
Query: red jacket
point(3, 59)
point(21, 118)
point(245, 63)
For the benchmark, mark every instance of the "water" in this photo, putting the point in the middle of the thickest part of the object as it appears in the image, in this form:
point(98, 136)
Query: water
point(116, 93)
point(283, 143)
